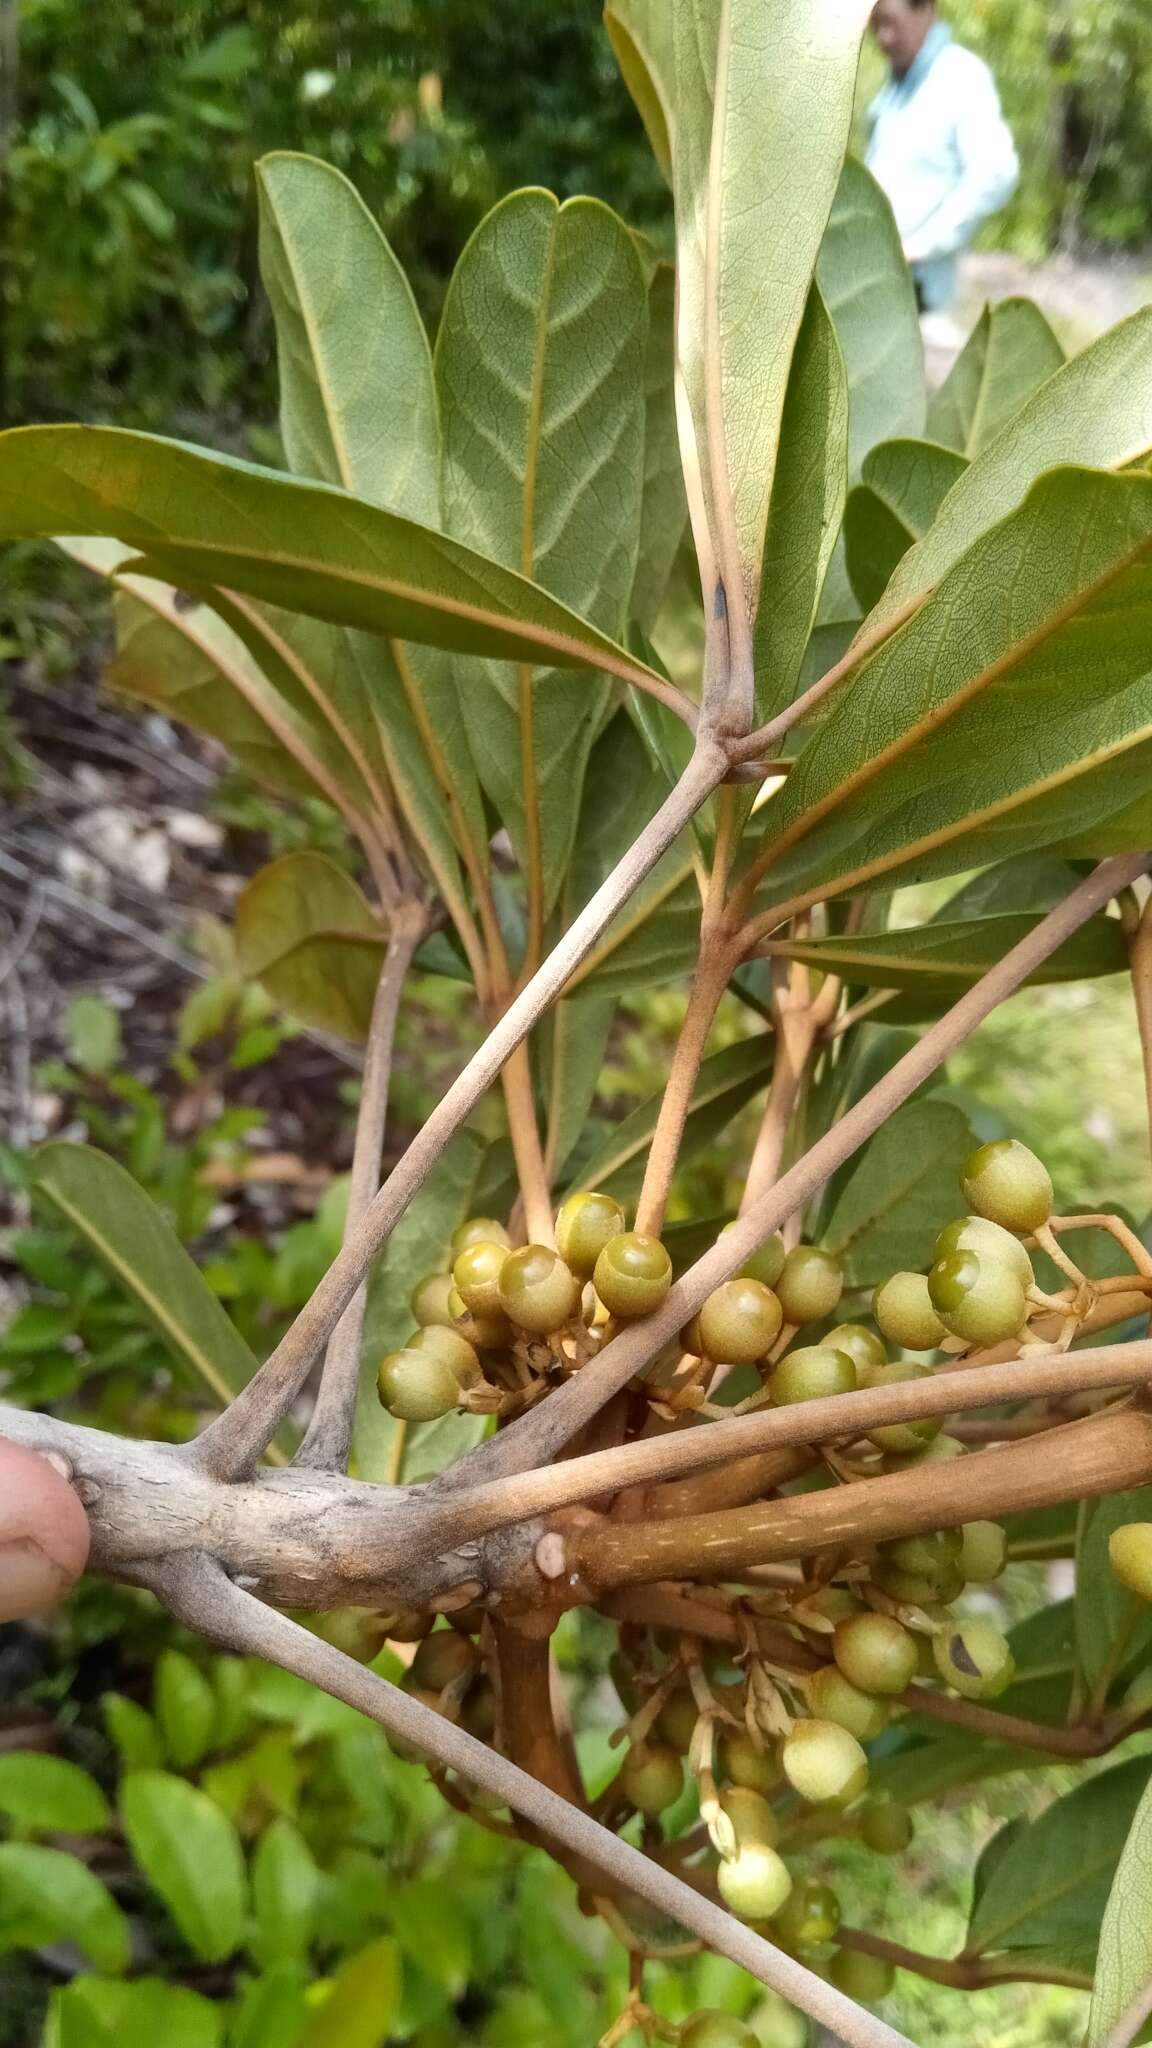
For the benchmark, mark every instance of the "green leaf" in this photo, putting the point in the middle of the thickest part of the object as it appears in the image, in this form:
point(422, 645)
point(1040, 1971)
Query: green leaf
point(185, 1708)
point(138, 1245)
point(285, 1893)
point(945, 958)
point(1009, 353)
point(902, 487)
point(190, 1854)
point(749, 76)
point(901, 1194)
point(47, 1792)
point(726, 1081)
point(641, 34)
point(663, 507)
point(1013, 708)
point(385, 1449)
point(93, 1034)
point(271, 2012)
point(1113, 1628)
point(1050, 1887)
point(357, 2011)
point(540, 368)
point(47, 1896)
point(202, 519)
point(806, 508)
point(92, 2012)
point(307, 934)
point(1096, 411)
point(132, 1731)
point(1124, 1963)
point(357, 400)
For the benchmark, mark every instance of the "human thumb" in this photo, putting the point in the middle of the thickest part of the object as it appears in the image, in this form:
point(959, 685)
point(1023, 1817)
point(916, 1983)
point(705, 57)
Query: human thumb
point(44, 1534)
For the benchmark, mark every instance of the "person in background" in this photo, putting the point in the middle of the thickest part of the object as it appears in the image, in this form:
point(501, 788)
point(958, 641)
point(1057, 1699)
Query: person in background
point(939, 144)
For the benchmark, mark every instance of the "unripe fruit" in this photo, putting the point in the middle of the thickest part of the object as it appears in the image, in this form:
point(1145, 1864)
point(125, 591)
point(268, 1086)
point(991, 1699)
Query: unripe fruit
point(415, 1386)
point(917, 1589)
point(766, 1263)
point(977, 1298)
point(823, 1763)
point(974, 1659)
point(633, 1274)
point(478, 1713)
point(405, 1624)
point(484, 1333)
point(676, 1721)
point(835, 1603)
point(479, 1230)
point(753, 1819)
point(449, 1345)
point(739, 1321)
point(928, 1554)
point(400, 1746)
point(810, 1284)
point(716, 2030)
point(429, 1303)
point(983, 1552)
point(755, 1883)
point(939, 1450)
point(864, 1978)
point(441, 1658)
point(832, 1697)
point(866, 1350)
point(359, 1631)
point(584, 1225)
point(904, 1436)
point(651, 1778)
point(903, 1309)
point(1006, 1183)
point(1130, 1556)
point(809, 1916)
point(748, 1766)
point(987, 1240)
point(811, 1374)
point(537, 1291)
point(476, 1274)
point(885, 1827)
point(875, 1653)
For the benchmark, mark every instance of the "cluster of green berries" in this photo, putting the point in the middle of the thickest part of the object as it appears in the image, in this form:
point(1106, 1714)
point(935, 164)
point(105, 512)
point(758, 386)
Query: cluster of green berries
point(977, 1290)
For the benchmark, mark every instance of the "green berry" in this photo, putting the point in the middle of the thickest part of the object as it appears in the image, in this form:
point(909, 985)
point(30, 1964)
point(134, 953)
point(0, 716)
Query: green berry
point(903, 1309)
point(1006, 1183)
point(405, 1624)
point(484, 1333)
point(477, 1276)
point(917, 1589)
point(929, 1554)
point(676, 1721)
point(584, 1225)
point(810, 1915)
point(716, 2030)
point(752, 1818)
point(988, 1240)
point(866, 1350)
point(766, 1263)
point(812, 1374)
point(537, 1291)
point(983, 1552)
point(835, 1603)
point(810, 1284)
point(478, 1713)
point(755, 1769)
point(1130, 1556)
point(411, 1752)
point(977, 1298)
point(885, 1827)
point(479, 1230)
point(651, 1778)
point(443, 1657)
point(937, 1450)
point(739, 1321)
point(633, 1274)
point(875, 1653)
point(449, 1345)
point(823, 1763)
point(415, 1386)
point(904, 1436)
point(429, 1302)
point(832, 1697)
point(755, 1882)
point(864, 1978)
point(974, 1659)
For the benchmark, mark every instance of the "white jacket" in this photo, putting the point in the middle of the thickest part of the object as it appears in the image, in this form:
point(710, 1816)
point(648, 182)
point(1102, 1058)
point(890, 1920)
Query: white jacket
point(944, 154)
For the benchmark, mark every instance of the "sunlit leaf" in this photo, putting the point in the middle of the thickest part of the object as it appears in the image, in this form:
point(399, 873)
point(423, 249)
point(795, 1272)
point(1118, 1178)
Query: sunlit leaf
point(47, 1896)
point(1051, 1886)
point(663, 509)
point(640, 32)
point(190, 1854)
point(1124, 1964)
point(1010, 351)
point(49, 1793)
point(357, 2011)
point(185, 1708)
point(285, 1892)
point(946, 957)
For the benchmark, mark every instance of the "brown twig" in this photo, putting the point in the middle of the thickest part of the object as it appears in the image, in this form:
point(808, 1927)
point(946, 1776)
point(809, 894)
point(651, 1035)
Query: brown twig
point(960, 1973)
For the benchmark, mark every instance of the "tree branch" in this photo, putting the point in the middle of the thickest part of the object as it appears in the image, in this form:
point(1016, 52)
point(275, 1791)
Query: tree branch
point(231, 1445)
point(202, 1597)
point(961, 1973)
point(537, 1436)
point(329, 1435)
